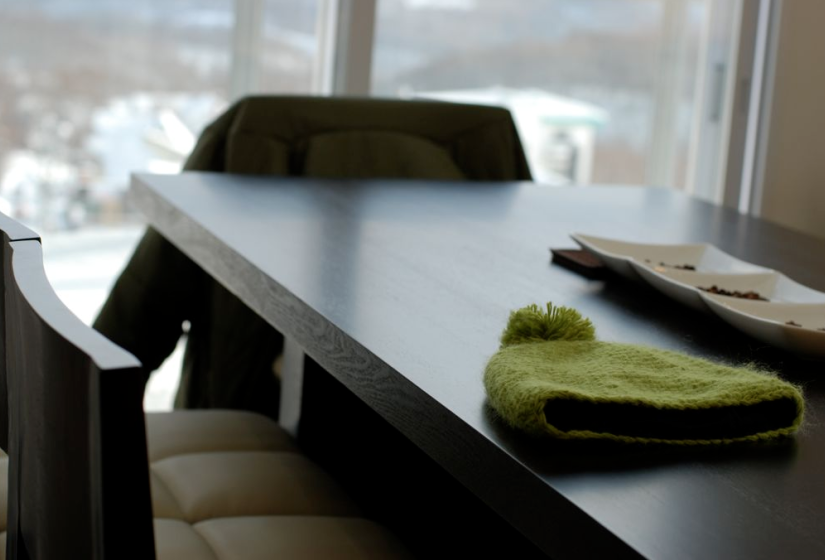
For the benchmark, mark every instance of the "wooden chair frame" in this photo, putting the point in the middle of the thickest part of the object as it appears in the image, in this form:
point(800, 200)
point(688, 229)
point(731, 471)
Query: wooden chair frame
point(78, 463)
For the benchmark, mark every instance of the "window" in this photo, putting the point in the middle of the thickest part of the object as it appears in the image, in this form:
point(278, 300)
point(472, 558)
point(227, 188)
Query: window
point(92, 90)
point(124, 86)
point(602, 91)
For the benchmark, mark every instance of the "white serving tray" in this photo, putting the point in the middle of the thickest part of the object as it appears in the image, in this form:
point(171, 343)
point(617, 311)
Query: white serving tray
point(687, 286)
point(619, 256)
point(685, 272)
point(771, 322)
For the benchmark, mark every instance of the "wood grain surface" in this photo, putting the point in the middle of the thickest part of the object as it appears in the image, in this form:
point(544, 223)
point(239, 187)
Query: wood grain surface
point(77, 438)
point(400, 289)
point(10, 230)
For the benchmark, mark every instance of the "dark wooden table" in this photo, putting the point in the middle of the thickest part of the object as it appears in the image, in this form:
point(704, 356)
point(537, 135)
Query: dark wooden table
point(401, 289)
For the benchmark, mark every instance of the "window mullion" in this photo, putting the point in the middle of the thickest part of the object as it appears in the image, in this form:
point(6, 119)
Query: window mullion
point(346, 30)
point(246, 48)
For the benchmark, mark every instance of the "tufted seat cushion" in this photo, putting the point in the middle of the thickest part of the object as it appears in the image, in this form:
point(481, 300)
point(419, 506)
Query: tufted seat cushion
point(270, 537)
point(200, 431)
point(230, 485)
point(209, 485)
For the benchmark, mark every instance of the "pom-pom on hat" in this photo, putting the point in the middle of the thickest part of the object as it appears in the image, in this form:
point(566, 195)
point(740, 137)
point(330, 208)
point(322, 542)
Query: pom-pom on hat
point(551, 376)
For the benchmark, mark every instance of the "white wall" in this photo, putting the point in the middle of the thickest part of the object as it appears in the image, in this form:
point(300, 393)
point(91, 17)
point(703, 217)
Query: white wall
point(794, 179)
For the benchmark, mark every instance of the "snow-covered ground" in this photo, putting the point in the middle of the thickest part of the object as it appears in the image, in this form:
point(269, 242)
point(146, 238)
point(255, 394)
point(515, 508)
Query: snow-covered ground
point(82, 265)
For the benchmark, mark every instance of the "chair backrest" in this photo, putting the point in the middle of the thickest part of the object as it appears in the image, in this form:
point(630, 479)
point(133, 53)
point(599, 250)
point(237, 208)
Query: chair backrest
point(10, 230)
point(362, 138)
point(78, 466)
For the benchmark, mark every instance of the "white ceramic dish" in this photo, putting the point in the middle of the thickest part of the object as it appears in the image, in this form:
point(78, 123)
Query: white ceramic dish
point(793, 318)
point(769, 322)
point(620, 255)
point(686, 286)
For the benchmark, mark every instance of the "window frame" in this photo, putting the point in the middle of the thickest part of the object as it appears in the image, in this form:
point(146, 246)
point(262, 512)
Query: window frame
point(346, 40)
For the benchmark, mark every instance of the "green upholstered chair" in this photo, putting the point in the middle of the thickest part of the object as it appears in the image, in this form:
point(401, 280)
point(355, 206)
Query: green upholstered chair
point(229, 362)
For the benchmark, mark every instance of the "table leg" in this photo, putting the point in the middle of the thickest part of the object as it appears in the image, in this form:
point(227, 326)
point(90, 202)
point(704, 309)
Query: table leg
point(292, 386)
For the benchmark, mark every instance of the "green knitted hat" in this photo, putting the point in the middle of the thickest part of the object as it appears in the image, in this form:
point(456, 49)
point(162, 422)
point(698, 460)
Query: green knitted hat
point(551, 376)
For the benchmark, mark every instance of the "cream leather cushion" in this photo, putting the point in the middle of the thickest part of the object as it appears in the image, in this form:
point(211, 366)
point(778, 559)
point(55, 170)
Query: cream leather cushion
point(199, 431)
point(276, 537)
point(242, 483)
point(232, 485)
